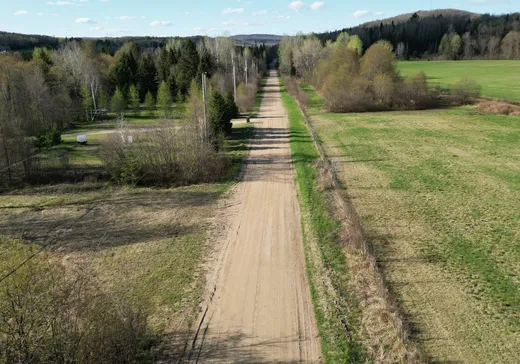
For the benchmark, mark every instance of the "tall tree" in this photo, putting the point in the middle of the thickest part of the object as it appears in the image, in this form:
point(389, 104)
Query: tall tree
point(149, 103)
point(134, 101)
point(147, 76)
point(187, 67)
point(118, 103)
point(124, 74)
point(164, 98)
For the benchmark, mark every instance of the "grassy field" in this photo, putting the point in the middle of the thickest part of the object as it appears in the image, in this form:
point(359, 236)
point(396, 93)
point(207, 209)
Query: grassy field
point(499, 79)
point(436, 193)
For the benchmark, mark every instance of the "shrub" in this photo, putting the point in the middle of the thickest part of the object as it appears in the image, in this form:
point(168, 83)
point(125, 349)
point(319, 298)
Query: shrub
point(415, 93)
point(465, 91)
point(53, 315)
point(48, 139)
point(164, 156)
point(295, 91)
point(246, 96)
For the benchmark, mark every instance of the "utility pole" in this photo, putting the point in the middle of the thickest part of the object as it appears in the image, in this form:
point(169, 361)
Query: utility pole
point(234, 75)
point(204, 124)
point(245, 59)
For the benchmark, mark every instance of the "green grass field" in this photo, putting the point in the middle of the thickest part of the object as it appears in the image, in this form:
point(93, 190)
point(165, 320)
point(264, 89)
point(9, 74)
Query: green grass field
point(436, 191)
point(499, 79)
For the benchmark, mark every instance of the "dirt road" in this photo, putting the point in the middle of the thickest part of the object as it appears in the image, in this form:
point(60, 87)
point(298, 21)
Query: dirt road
point(261, 310)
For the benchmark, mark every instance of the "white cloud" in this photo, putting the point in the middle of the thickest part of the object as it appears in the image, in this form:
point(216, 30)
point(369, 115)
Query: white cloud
point(282, 17)
point(21, 12)
point(233, 11)
point(160, 23)
point(40, 14)
point(361, 13)
point(296, 5)
point(262, 12)
point(487, 2)
point(318, 5)
point(60, 3)
point(126, 17)
point(84, 21)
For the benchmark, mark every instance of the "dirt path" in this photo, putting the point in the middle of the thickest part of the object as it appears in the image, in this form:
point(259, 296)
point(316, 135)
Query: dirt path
point(261, 310)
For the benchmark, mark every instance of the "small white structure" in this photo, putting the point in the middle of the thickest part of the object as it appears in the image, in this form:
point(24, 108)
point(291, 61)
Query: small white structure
point(82, 139)
point(130, 139)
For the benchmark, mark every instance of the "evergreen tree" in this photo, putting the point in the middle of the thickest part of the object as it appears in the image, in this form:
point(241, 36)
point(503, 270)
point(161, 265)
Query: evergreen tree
point(149, 103)
point(172, 85)
point(147, 76)
point(231, 106)
point(205, 64)
point(187, 67)
point(118, 103)
point(134, 99)
point(124, 73)
point(219, 115)
point(164, 98)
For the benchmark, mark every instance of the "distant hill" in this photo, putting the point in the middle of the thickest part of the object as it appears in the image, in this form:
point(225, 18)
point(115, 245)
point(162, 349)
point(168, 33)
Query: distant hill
point(252, 39)
point(420, 34)
point(421, 13)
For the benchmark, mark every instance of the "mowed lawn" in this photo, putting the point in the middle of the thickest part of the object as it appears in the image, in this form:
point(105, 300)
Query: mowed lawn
point(438, 192)
point(499, 79)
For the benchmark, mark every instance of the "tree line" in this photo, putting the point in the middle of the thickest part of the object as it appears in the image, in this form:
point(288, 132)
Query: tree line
point(354, 80)
point(449, 36)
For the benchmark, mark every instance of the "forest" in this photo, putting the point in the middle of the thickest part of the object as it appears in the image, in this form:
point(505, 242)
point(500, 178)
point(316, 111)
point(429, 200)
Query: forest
point(448, 36)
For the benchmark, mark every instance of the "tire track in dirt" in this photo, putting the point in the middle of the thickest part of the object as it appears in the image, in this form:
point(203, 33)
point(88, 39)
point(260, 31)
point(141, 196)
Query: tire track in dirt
point(260, 309)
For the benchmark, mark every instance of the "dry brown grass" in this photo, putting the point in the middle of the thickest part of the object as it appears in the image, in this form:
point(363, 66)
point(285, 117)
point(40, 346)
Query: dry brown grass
point(146, 245)
point(499, 107)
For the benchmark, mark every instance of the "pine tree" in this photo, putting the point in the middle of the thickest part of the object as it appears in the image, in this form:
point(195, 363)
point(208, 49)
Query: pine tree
point(187, 67)
point(164, 98)
point(149, 103)
point(118, 103)
point(147, 76)
point(134, 100)
point(219, 115)
point(231, 106)
point(124, 73)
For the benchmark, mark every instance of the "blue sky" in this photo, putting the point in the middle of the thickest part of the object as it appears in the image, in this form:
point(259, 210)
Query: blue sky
point(95, 18)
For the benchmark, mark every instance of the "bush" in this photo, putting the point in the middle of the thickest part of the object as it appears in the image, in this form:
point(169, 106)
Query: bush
point(370, 83)
point(295, 91)
point(53, 315)
point(465, 91)
point(246, 96)
point(164, 156)
point(48, 139)
point(415, 94)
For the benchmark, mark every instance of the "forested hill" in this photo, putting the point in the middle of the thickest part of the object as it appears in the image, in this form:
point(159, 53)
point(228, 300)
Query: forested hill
point(27, 42)
point(450, 34)
point(403, 18)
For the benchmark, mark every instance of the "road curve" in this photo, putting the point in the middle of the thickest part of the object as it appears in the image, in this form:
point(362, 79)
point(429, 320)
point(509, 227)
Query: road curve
point(261, 309)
